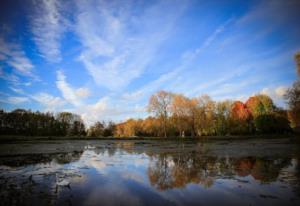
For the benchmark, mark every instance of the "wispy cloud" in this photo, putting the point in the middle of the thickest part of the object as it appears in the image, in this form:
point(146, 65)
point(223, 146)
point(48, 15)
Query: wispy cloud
point(17, 90)
point(209, 40)
point(49, 102)
point(187, 60)
point(119, 45)
point(11, 78)
point(14, 100)
point(73, 96)
point(47, 25)
point(13, 56)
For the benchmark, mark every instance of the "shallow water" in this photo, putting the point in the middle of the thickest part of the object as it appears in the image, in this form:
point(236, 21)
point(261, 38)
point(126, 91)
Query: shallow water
point(248, 172)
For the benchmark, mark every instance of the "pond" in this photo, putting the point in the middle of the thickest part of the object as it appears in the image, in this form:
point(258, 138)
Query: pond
point(148, 172)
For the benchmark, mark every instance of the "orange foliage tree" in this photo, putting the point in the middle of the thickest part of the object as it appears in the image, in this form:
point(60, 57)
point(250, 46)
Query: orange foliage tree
point(240, 118)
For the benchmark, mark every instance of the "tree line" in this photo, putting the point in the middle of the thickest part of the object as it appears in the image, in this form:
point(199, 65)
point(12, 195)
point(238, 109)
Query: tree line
point(29, 123)
point(172, 115)
point(178, 115)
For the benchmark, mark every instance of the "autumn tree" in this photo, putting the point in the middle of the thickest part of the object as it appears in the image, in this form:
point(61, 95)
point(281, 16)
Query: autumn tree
point(129, 128)
point(205, 115)
point(159, 104)
point(119, 130)
point(193, 112)
point(239, 111)
point(181, 113)
point(240, 118)
point(151, 127)
point(222, 117)
point(260, 104)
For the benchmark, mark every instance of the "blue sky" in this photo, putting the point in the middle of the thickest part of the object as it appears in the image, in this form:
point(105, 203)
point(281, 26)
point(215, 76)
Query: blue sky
point(103, 59)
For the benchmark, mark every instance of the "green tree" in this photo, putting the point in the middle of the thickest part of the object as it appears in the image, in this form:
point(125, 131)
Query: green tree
point(222, 117)
point(271, 123)
point(260, 104)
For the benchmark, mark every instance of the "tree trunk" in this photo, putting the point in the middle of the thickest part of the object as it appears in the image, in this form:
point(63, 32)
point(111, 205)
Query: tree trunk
point(165, 124)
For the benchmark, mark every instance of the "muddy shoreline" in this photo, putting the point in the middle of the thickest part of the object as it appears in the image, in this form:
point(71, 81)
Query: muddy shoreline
point(6, 138)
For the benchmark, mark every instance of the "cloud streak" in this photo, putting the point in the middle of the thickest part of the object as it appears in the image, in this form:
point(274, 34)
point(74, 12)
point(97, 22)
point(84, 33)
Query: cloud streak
point(50, 102)
point(14, 100)
point(47, 25)
point(15, 57)
point(187, 59)
point(119, 45)
point(73, 96)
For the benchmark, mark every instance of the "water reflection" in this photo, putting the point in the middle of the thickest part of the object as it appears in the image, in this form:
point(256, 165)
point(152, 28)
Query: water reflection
point(160, 173)
point(167, 172)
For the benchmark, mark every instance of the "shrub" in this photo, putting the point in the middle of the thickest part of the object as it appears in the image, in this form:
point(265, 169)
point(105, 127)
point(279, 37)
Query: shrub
point(271, 123)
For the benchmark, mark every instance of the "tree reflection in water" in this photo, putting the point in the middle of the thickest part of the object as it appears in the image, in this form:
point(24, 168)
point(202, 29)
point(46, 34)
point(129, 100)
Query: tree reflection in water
point(167, 171)
point(154, 171)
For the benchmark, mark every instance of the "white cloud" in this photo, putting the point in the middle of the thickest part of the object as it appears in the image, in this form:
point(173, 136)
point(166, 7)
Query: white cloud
point(50, 102)
point(276, 93)
point(13, 56)
point(14, 100)
point(47, 25)
point(107, 109)
point(94, 112)
point(73, 96)
point(82, 92)
point(119, 45)
point(281, 91)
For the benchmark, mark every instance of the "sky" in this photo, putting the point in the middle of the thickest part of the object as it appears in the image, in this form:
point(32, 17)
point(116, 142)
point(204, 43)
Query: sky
point(104, 59)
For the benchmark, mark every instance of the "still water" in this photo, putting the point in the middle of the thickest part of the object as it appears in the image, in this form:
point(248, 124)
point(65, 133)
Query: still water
point(247, 172)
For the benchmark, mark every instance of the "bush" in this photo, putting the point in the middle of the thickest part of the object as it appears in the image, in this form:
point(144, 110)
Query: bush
point(271, 123)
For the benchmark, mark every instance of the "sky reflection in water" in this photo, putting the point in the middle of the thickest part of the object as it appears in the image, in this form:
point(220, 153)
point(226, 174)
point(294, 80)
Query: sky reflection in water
point(169, 174)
